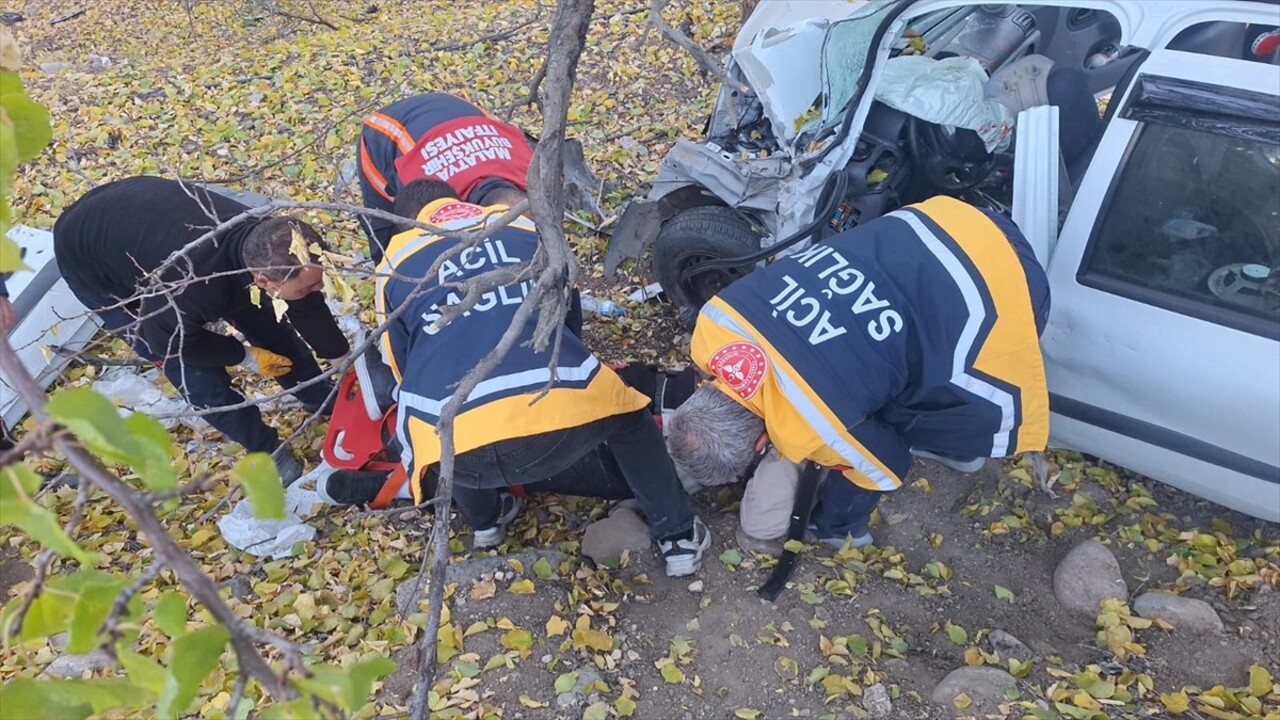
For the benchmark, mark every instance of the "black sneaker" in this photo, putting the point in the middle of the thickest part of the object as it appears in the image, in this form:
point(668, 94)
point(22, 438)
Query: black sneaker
point(491, 537)
point(351, 487)
point(288, 466)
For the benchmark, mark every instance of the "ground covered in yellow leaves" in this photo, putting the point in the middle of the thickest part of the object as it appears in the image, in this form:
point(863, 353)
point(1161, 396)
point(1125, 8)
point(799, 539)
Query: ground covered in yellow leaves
point(223, 91)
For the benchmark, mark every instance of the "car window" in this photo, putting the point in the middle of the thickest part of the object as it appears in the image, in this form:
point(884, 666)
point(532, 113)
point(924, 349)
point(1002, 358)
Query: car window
point(845, 57)
point(1194, 218)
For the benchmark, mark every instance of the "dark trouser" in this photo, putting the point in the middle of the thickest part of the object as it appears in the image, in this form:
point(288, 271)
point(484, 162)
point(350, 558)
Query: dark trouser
point(843, 507)
point(633, 440)
point(208, 387)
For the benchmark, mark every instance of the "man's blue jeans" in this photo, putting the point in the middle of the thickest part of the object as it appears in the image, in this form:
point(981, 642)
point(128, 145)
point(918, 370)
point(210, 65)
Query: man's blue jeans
point(210, 387)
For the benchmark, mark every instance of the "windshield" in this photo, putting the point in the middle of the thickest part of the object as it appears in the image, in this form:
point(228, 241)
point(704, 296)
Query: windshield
point(783, 49)
point(845, 54)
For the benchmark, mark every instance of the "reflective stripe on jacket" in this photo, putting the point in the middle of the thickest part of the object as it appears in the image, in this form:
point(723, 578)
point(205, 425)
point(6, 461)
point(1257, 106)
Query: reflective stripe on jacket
point(429, 362)
point(443, 137)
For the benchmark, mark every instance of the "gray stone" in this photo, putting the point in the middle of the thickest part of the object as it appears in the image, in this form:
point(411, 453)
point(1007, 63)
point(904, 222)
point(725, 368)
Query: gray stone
point(1088, 575)
point(751, 544)
point(985, 686)
point(608, 538)
point(696, 586)
point(875, 700)
point(1182, 613)
point(347, 171)
point(630, 505)
point(577, 696)
point(1008, 646)
point(74, 666)
point(58, 642)
point(241, 587)
point(53, 67)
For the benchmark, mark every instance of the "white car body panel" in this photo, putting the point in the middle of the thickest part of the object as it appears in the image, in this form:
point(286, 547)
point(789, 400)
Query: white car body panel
point(50, 315)
point(1203, 381)
point(1035, 179)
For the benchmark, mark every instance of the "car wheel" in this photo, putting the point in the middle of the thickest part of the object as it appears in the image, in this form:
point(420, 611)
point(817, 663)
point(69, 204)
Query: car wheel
point(696, 235)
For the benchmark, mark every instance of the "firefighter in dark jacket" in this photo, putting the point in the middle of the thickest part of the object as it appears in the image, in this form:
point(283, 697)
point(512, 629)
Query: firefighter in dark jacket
point(108, 245)
point(914, 334)
point(441, 137)
point(503, 438)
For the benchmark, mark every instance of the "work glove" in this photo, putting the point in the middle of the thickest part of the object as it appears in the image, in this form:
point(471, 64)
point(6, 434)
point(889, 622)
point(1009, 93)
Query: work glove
point(265, 362)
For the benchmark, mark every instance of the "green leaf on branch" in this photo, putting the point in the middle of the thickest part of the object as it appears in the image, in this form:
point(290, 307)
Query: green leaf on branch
point(348, 688)
point(10, 253)
point(142, 670)
point(139, 441)
point(24, 697)
point(191, 658)
point(29, 122)
point(97, 595)
point(171, 614)
point(18, 485)
point(154, 463)
point(362, 676)
point(261, 481)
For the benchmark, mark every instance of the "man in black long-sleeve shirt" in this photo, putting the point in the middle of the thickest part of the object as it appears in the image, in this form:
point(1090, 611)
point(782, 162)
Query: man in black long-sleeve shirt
point(111, 241)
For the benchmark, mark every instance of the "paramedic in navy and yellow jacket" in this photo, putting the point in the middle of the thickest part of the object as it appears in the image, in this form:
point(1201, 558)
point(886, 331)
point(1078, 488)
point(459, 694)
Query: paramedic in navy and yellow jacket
point(917, 333)
point(502, 437)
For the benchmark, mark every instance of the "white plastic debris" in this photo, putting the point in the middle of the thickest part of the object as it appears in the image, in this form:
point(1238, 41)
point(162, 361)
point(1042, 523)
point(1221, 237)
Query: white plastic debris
point(946, 92)
point(646, 293)
point(276, 538)
point(136, 391)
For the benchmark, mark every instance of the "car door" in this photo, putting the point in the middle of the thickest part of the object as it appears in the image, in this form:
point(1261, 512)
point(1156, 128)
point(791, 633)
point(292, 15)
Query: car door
point(1163, 345)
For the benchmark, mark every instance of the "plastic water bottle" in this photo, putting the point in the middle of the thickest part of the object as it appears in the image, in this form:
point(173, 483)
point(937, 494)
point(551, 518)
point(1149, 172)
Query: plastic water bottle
point(604, 308)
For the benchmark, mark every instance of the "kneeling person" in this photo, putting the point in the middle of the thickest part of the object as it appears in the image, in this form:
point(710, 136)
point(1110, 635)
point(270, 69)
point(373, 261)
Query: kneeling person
point(501, 438)
point(113, 238)
point(917, 333)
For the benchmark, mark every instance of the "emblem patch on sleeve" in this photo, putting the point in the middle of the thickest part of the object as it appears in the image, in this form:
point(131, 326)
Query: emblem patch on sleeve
point(455, 211)
point(741, 365)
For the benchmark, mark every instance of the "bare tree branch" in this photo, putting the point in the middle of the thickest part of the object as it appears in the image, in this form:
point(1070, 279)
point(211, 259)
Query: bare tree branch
point(167, 551)
point(45, 560)
point(109, 627)
point(704, 60)
point(555, 271)
point(532, 95)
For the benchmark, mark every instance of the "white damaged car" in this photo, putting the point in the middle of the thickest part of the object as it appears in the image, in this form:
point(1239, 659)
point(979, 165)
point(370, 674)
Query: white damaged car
point(1158, 219)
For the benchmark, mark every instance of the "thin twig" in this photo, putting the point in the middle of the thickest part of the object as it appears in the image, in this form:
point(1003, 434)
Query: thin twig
point(166, 549)
point(237, 694)
point(109, 628)
point(704, 60)
point(554, 267)
point(45, 559)
point(428, 503)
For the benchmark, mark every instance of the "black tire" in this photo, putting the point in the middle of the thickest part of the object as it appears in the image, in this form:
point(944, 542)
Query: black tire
point(694, 235)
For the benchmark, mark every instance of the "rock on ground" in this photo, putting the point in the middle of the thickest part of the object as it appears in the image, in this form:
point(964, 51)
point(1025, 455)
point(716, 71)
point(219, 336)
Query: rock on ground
point(582, 689)
point(751, 544)
point(1009, 646)
point(985, 686)
point(74, 666)
point(1182, 613)
point(472, 569)
point(875, 700)
point(608, 538)
point(1088, 575)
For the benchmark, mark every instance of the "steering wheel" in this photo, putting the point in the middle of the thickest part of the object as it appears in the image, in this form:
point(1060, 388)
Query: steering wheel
point(950, 161)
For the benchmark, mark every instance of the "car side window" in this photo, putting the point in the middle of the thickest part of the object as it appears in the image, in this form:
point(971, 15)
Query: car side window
point(1193, 224)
